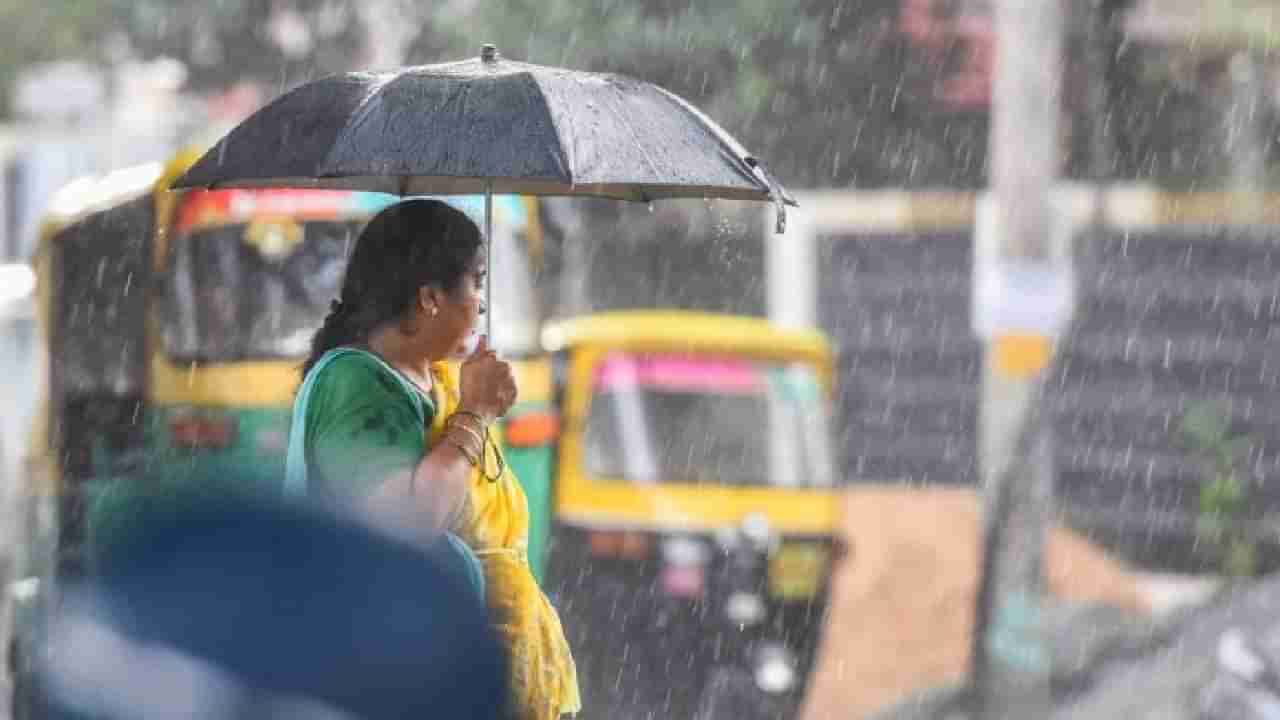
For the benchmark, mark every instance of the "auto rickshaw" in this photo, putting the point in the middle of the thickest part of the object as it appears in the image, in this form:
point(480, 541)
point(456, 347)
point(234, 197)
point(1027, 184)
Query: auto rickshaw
point(93, 266)
point(695, 513)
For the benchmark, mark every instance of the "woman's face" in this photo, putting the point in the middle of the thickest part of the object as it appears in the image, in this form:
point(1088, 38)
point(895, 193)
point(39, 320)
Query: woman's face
point(460, 310)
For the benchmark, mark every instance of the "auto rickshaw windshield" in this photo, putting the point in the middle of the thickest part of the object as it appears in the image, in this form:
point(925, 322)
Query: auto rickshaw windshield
point(707, 419)
point(250, 291)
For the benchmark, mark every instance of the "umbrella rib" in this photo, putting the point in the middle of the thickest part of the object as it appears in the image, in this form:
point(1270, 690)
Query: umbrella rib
point(461, 96)
point(358, 118)
point(725, 138)
point(567, 156)
point(632, 131)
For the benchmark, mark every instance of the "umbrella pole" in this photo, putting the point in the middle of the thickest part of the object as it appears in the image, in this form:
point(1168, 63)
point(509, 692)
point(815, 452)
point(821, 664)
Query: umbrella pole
point(488, 260)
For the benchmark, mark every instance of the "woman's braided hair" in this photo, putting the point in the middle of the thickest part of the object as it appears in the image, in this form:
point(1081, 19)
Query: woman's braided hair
point(411, 244)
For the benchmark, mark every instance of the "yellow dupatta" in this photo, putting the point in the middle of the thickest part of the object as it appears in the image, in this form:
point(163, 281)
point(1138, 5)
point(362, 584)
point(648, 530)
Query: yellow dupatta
point(494, 522)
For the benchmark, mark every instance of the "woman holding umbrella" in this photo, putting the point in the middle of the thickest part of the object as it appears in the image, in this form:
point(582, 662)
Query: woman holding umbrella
point(481, 126)
point(384, 425)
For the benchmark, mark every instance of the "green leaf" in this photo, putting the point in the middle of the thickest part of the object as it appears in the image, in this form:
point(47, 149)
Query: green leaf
point(1238, 447)
point(1205, 426)
point(1242, 559)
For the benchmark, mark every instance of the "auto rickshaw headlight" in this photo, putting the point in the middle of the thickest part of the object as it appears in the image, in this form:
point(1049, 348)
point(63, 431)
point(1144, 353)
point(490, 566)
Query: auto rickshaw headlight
point(745, 608)
point(684, 567)
point(775, 669)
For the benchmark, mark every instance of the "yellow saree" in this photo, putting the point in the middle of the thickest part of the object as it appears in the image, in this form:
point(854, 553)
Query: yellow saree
point(495, 523)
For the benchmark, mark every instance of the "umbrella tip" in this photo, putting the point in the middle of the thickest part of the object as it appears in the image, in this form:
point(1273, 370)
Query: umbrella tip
point(489, 52)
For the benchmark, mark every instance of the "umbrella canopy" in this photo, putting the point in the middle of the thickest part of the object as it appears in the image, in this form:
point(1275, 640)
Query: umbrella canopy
point(487, 125)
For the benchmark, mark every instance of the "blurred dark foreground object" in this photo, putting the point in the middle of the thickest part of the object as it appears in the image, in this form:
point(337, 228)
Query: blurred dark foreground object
point(240, 608)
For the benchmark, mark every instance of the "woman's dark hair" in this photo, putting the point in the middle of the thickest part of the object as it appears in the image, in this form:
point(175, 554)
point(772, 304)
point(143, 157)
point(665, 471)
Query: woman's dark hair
point(408, 245)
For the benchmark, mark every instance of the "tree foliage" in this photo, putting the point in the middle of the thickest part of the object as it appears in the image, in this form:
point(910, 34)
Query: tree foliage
point(831, 81)
point(47, 31)
point(828, 92)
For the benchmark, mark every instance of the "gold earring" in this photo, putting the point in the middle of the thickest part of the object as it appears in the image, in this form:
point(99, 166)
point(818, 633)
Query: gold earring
point(434, 311)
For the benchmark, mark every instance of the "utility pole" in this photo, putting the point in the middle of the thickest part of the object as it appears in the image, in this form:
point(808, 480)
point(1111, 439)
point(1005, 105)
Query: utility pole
point(1244, 130)
point(1023, 295)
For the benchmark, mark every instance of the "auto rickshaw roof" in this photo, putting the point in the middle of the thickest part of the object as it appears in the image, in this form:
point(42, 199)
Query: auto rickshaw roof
point(91, 194)
point(686, 330)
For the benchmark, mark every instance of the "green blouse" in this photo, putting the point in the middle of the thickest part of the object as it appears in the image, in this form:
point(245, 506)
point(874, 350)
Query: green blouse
point(362, 422)
point(362, 425)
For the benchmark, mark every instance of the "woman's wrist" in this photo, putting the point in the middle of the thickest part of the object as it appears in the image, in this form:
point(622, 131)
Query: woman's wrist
point(483, 418)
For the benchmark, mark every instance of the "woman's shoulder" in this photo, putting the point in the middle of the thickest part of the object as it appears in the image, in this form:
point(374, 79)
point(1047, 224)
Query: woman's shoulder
point(350, 385)
point(355, 371)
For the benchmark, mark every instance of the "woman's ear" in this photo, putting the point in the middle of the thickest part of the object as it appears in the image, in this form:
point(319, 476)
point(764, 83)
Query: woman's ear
point(429, 298)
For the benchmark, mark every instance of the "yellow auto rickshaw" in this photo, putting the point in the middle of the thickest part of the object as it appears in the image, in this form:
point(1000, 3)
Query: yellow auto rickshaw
point(93, 264)
point(694, 510)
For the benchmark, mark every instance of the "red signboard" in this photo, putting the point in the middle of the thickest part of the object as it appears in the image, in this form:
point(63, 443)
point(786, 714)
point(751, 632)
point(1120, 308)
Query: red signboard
point(217, 207)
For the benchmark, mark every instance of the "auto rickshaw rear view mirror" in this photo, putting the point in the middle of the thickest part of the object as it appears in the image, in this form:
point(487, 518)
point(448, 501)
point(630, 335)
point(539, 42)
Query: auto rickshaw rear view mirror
point(532, 429)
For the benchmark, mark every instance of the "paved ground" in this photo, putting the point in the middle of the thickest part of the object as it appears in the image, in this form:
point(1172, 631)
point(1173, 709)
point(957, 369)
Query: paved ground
point(901, 617)
point(1189, 677)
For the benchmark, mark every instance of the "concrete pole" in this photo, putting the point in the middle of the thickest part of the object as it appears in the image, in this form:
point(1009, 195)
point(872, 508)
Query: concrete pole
point(1011, 659)
point(1244, 130)
point(791, 269)
point(791, 276)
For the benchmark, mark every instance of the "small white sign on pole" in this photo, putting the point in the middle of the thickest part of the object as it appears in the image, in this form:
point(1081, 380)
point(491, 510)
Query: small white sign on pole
point(1020, 297)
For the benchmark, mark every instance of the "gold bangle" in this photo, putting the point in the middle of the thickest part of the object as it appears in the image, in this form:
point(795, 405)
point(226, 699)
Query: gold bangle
point(459, 426)
point(466, 454)
point(474, 457)
point(454, 421)
point(468, 413)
